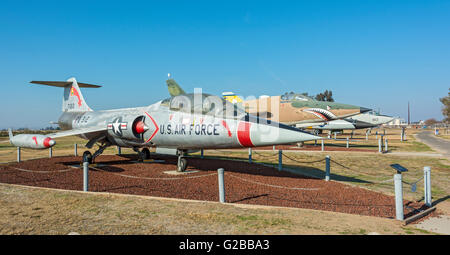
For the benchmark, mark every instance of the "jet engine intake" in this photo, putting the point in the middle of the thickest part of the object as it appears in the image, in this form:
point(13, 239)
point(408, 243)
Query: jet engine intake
point(127, 127)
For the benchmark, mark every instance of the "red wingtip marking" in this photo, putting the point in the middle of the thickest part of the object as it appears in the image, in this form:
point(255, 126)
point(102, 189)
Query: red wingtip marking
point(47, 142)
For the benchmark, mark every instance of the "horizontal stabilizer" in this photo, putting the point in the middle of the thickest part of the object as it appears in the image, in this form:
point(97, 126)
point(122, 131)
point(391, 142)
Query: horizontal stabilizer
point(63, 84)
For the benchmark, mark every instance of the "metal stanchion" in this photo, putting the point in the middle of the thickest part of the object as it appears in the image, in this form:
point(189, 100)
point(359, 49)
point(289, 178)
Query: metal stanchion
point(220, 173)
point(201, 153)
point(347, 143)
point(327, 168)
point(119, 150)
point(249, 155)
point(379, 145)
point(280, 160)
point(50, 152)
point(398, 196)
point(18, 154)
point(323, 147)
point(386, 147)
point(427, 185)
point(85, 176)
point(273, 147)
point(76, 149)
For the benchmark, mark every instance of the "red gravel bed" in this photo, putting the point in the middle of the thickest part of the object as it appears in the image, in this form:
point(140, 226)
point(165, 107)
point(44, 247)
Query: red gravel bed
point(245, 183)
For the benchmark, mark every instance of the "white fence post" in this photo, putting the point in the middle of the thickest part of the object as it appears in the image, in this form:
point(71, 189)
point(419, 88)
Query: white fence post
point(85, 176)
point(220, 173)
point(327, 168)
point(398, 196)
point(250, 155)
point(427, 185)
point(18, 154)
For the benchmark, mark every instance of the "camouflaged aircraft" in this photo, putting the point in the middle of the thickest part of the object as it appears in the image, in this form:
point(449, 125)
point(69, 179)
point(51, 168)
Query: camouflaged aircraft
point(291, 109)
point(360, 121)
point(180, 123)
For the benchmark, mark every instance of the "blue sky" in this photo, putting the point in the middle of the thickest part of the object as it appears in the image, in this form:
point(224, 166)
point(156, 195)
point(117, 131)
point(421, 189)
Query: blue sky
point(376, 54)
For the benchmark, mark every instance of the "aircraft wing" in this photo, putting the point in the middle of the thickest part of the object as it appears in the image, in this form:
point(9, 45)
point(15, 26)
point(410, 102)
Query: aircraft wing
point(77, 131)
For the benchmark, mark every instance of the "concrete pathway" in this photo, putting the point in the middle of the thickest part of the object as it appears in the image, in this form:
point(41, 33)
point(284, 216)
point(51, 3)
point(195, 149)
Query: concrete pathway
point(434, 142)
point(440, 224)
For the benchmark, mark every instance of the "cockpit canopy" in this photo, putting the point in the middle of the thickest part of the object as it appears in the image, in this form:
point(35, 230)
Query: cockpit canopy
point(292, 96)
point(205, 104)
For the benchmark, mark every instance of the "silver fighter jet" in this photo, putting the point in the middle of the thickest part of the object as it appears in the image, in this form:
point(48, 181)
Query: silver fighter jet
point(180, 123)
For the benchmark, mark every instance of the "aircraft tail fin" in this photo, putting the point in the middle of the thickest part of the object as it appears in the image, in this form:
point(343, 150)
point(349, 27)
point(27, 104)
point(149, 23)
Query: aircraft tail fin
point(232, 98)
point(73, 100)
point(174, 88)
point(10, 134)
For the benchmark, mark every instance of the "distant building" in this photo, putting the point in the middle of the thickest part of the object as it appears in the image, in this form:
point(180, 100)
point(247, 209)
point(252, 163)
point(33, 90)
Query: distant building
point(397, 121)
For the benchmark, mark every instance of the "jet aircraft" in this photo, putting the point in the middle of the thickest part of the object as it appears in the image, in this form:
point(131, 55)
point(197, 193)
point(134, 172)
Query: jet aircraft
point(360, 121)
point(291, 109)
point(183, 122)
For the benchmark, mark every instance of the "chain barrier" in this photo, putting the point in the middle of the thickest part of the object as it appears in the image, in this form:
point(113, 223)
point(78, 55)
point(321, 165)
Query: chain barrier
point(413, 184)
point(153, 178)
point(269, 155)
point(303, 162)
point(270, 185)
point(42, 172)
point(373, 183)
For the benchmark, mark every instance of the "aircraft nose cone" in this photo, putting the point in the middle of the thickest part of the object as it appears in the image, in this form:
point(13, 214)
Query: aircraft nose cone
point(364, 109)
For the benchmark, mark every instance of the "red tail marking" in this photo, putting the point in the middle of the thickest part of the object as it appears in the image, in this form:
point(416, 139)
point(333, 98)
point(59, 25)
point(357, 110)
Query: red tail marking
point(75, 92)
point(35, 140)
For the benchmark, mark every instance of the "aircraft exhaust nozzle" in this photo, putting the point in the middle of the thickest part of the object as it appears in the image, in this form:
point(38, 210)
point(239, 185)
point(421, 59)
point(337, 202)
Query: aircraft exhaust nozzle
point(32, 141)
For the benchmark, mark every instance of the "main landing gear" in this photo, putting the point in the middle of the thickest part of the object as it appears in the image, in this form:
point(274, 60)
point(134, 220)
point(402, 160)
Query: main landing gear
point(182, 161)
point(143, 154)
point(88, 157)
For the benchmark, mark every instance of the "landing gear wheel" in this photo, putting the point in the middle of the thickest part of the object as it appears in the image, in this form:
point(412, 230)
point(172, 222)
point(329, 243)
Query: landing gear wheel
point(146, 153)
point(87, 157)
point(182, 164)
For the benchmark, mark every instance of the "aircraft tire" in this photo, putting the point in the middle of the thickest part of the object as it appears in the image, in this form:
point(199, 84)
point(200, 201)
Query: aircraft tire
point(87, 157)
point(146, 153)
point(182, 165)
